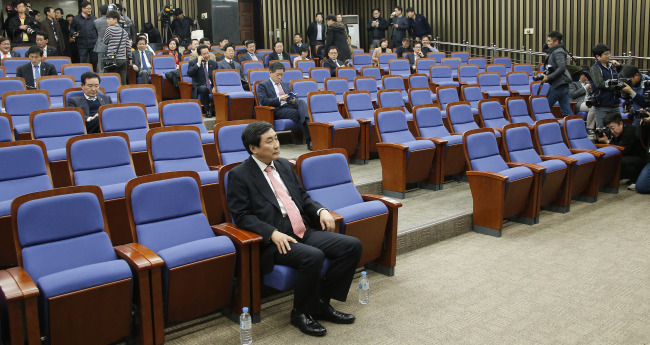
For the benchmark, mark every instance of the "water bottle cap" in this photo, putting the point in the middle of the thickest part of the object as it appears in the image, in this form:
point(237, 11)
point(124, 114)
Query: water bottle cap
point(245, 309)
point(363, 274)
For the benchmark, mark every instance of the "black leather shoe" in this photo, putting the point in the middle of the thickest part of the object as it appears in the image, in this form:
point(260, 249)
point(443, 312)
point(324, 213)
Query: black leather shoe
point(209, 114)
point(328, 313)
point(307, 324)
point(309, 147)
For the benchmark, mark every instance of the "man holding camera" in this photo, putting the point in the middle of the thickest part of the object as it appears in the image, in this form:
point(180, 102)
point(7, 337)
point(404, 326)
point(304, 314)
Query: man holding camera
point(640, 85)
point(557, 74)
point(21, 27)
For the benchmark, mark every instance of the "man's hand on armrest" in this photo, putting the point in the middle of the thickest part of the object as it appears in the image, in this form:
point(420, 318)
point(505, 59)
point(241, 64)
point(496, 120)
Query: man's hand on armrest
point(282, 241)
point(326, 220)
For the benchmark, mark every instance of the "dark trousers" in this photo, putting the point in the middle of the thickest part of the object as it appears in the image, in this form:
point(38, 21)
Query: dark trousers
point(203, 93)
point(87, 55)
point(122, 65)
point(631, 167)
point(296, 112)
point(313, 45)
point(307, 258)
point(561, 94)
point(92, 126)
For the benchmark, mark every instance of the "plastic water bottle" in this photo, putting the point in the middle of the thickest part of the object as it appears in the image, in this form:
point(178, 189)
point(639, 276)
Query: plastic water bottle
point(245, 332)
point(364, 289)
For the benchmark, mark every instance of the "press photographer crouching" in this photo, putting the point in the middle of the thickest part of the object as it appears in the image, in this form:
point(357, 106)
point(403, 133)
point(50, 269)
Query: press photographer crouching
point(640, 96)
point(615, 132)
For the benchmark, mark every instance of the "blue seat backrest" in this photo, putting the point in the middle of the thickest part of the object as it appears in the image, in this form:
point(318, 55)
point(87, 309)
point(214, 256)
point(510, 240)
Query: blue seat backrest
point(519, 79)
point(251, 65)
point(62, 232)
point(372, 72)
point(461, 118)
point(541, 108)
point(384, 58)
point(56, 86)
point(465, 71)
point(399, 65)
point(131, 120)
point(347, 73)
point(438, 56)
point(440, 73)
point(423, 66)
point(76, 72)
point(503, 60)
point(419, 97)
point(12, 65)
point(535, 87)
point(111, 84)
point(20, 106)
point(453, 62)
point(391, 99)
point(483, 152)
point(58, 63)
point(324, 108)
point(163, 64)
point(489, 82)
point(302, 88)
point(393, 127)
point(520, 145)
point(577, 134)
point(463, 56)
point(111, 167)
point(473, 95)
point(497, 69)
point(446, 96)
point(11, 85)
point(394, 83)
point(186, 113)
point(337, 85)
point(550, 139)
point(72, 94)
point(259, 76)
point(418, 81)
point(177, 150)
point(291, 74)
point(305, 66)
point(360, 106)
point(144, 95)
point(6, 129)
point(228, 81)
point(430, 123)
point(492, 114)
point(320, 75)
point(361, 60)
point(518, 111)
point(327, 180)
point(479, 61)
point(230, 144)
point(364, 84)
point(55, 128)
point(524, 68)
point(168, 213)
point(23, 171)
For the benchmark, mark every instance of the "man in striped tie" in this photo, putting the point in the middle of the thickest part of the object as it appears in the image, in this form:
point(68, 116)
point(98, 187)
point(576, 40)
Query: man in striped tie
point(265, 196)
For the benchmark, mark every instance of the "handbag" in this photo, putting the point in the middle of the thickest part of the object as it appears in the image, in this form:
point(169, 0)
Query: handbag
point(110, 60)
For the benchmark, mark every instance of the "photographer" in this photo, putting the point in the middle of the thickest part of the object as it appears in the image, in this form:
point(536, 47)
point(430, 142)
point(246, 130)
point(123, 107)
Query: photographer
point(578, 90)
point(557, 75)
point(183, 26)
point(640, 85)
point(643, 181)
point(616, 132)
point(21, 27)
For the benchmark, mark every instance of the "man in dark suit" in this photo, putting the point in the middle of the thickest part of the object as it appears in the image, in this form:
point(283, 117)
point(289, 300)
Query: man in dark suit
point(295, 47)
point(266, 197)
point(35, 68)
point(54, 33)
point(229, 62)
point(278, 52)
point(417, 54)
point(42, 40)
point(142, 67)
point(5, 49)
point(201, 72)
point(333, 62)
point(250, 54)
point(90, 101)
point(316, 32)
point(274, 93)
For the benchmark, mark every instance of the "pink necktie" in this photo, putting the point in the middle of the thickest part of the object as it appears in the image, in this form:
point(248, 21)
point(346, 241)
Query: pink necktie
point(292, 211)
point(280, 89)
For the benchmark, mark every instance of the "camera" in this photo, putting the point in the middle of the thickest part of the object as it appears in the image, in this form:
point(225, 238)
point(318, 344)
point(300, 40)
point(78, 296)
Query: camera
point(616, 84)
point(600, 132)
point(638, 114)
point(166, 13)
point(547, 69)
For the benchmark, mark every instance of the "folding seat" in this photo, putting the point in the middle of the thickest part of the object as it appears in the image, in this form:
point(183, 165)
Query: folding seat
point(441, 76)
point(524, 67)
point(374, 72)
point(392, 98)
point(357, 51)
point(11, 64)
point(305, 66)
point(539, 89)
point(422, 66)
point(404, 159)
point(453, 63)
point(6, 128)
point(518, 83)
point(400, 67)
point(501, 70)
point(421, 81)
point(160, 65)
point(329, 129)
point(359, 106)
point(227, 138)
point(231, 101)
point(395, 82)
point(58, 61)
point(372, 219)
point(384, 58)
point(461, 119)
point(131, 119)
point(362, 60)
point(291, 74)
point(490, 84)
point(349, 73)
point(259, 74)
point(19, 104)
point(54, 127)
point(491, 115)
point(177, 148)
point(266, 113)
point(447, 95)
point(185, 84)
point(303, 87)
point(471, 94)
point(438, 56)
point(481, 62)
point(263, 53)
point(21, 51)
point(419, 96)
point(142, 93)
point(24, 170)
point(55, 85)
point(266, 59)
point(547, 139)
point(429, 125)
point(499, 189)
point(503, 60)
point(463, 56)
point(468, 74)
point(540, 109)
point(187, 112)
point(82, 282)
point(339, 86)
point(111, 82)
point(320, 74)
point(366, 84)
point(12, 84)
point(285, 63)
point(608, 156)
point(517, 111)
point(76, 70)
point(250, 64)
point(555, 179)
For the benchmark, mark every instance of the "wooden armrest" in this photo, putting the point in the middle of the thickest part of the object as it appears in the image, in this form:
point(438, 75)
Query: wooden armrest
point(597, 154)
point(391, 203)
point(264, 113)
point(24, 282)
point(393, 146)
point(215, 167)
point(9, 287)
point(136, 253)
point(320, 124)
point(566, 160)
point(338, 220)
point(620, 148)
point(485, 94)
point(239, 236)
point(437, 141)
point(514, 92)
point(534, 167)
point(219, 94)
point(488, 174)
point(363, 121)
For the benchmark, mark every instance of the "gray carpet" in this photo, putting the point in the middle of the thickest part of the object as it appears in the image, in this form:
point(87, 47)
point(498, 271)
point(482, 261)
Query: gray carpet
point(576, 278)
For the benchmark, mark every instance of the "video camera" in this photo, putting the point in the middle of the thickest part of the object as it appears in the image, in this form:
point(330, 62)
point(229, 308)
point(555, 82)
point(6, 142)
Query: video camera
point(165, 14)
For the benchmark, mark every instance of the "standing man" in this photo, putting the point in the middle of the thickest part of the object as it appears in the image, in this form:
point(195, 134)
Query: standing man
point(116, 40)
point(266, 197)
point(316, 33)
point(337, 37)
point(182, 26)
point(274, 93)
point(339, 19)
point(90, 101)
point(250, 54)
point(201, 72)
point(42, 42)
point(377, 27)
point(85, 34)
point(21, 27)
point(229, 62)
point(400, 25)
point(54, 32)
point(100, 48)
point(141, 60)
point(557, 76)
point(418, 24)
point(606, 98)
point(35, 68)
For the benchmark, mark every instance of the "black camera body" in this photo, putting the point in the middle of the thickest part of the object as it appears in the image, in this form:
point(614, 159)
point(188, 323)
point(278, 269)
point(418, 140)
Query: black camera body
point(617, 84)
point(638, 114)
point(547, 69)
point(600, 132)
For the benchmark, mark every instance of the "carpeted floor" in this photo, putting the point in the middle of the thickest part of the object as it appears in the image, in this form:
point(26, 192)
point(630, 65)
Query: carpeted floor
point(576, 278)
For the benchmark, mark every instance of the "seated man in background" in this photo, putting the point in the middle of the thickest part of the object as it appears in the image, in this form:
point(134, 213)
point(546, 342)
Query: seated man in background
point(141, 60)
point(274, 93)
point(417, 54)
point(206, 42)
point(90, 101)
point(333, 62)
point(229, 62)
point(303, 55)
point(192, 47)
point(404, 48)
point(35, 68)
point(5, 49)
point(220, 49)
point(427, 47)
point(295, 47)
point(278, 52)
point(42, 42)
point(200, 70)
point(266, 197)
point(250, 54)
point(578, 90)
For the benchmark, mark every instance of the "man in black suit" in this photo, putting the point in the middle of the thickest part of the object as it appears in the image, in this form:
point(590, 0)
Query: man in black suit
point(250, 54)
point(266, 197)
point(201, 72)
point(333, 62)
point(278, 52)
point(316, 32)
point(42, 40)
point(90, 101)
point(35, 68)
point(142, 67)
point(297, 44)
point(5, 49)
point(54, 32)
point(417, 54)
point(229, 62)
point(274, 93)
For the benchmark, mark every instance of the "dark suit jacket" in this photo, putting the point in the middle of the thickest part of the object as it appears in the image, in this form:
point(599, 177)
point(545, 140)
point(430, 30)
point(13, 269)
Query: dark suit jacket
point(51, 51)
point(196, 73)
point(266, 94)
point(225, 65)
point(332, 66)
point(411, 58)
point(26, 72)
point(255, 208)
point(274, 56)
point(312, 31)
point(46, 25)
point(294, 48)
point(135, 57)
point(247, 57)
point(82, 103)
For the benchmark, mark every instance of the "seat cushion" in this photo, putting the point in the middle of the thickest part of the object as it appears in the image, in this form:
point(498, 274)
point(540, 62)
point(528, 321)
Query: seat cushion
point(194, 251)
point(283, 278)
point(209, 177)
point(207, 138)
point(583, 157)
point(516, 173)
point(83, 277)
point(113, 191)
point(5, 207)
point(139, 146)
point(552, 165)
point(362, 210)
point(609, 151)
point(57, 155)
